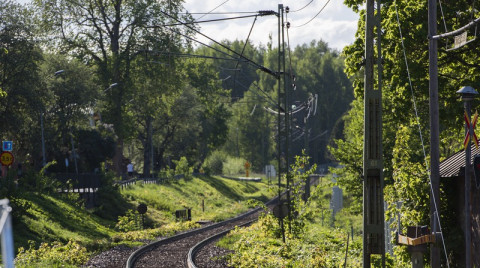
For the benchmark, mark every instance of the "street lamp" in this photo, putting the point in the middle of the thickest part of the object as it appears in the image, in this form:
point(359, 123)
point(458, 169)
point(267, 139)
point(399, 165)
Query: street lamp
point(44, 159)
point(468, 94)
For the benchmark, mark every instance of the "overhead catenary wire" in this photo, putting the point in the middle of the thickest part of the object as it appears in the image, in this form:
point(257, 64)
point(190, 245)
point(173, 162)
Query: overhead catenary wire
point(224, 2)
point(290, 54)
point(300, 9)
point(259, 66)
point(212, 20)
point(328, 1)
point(243, 49)
point(186, 55)
point(420, 132)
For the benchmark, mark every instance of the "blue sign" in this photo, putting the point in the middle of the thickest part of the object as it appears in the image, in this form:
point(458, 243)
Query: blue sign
point(7, 146)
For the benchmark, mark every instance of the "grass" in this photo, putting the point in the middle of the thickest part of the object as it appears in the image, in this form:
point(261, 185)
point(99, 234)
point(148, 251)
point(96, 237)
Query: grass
point(321, 242)
point(62, 221)
point(221, 198)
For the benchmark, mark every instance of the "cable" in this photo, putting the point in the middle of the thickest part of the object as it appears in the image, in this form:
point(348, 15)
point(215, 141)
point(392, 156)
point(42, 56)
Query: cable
point(213, 9)
point(443, 17)
point(195, 40)
point(243, 50)
point(218, 13)
point(290, 56)
point(421, 137)
point(193, 55)
point(263, 68)
point(303, 7)
point(205, 21)
point(314, 16)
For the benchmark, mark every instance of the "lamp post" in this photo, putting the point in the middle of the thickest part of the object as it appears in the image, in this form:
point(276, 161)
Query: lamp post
point(468, 94)
point(44, 159)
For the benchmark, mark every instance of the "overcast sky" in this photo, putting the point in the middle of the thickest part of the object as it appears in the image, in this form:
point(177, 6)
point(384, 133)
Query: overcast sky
point(336, 24)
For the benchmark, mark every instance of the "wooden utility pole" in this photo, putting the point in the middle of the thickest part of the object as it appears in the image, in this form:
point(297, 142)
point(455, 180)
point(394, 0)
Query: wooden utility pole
point(283, 126)
point(434, 129)
point(373, 212)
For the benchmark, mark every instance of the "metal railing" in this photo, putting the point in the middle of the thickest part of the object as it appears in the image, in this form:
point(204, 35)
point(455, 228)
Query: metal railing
point(6, 231)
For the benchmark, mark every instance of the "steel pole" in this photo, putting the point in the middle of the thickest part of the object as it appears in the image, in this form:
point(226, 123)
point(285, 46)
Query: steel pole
point(434, 127)
point(468, 154)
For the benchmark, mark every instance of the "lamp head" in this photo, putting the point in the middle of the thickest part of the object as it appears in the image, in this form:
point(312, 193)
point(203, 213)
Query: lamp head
point(467, 93)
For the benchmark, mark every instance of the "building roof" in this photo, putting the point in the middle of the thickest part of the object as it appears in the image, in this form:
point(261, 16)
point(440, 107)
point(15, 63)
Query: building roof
point(452, 166)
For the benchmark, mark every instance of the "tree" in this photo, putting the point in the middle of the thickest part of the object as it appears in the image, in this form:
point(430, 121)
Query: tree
point(110, 35)
point(405, 167)
point(20, 93)
point(214, 113)
point(319, 71)
point(68, 104)
point(250, 131)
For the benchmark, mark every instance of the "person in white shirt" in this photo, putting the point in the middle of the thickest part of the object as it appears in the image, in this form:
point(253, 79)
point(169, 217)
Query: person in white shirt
point(130, 169)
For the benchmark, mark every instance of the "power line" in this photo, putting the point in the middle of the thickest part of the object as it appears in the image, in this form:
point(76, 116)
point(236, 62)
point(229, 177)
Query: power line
point(292, 77)
point(243, 49)
point(261, 67)
point(206, 21)
point(219, 13)
point(420, 131)
point(314, 16)
point(303, 7)
point(213, 9)
point(193, 55)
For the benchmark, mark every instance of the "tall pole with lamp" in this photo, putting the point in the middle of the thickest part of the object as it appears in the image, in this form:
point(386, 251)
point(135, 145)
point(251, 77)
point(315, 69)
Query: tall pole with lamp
point(468, 94)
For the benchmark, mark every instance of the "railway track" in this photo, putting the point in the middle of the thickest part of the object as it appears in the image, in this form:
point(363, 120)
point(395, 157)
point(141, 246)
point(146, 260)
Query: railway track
point(174, 251)
point(181, 250)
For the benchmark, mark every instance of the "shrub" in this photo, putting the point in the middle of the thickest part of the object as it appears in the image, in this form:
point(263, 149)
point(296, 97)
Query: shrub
point(51, 255)
point(182, 167)
point(214, 163)
point(130, 222)
point(233, 166)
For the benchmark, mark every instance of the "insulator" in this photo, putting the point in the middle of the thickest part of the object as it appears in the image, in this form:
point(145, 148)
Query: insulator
point(288, 25)
point(287, 9)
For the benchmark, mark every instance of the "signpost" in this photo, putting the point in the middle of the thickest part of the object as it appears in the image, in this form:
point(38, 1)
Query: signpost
point(7, 146)
point(6, 158)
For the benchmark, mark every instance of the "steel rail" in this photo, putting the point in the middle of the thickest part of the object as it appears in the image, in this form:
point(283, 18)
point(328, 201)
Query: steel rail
point(146, 248)
point(194, 250)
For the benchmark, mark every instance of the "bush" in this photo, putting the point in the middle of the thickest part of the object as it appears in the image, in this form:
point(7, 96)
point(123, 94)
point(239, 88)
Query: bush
point(182, 167)
point(233, 166)
point(130, 222)
point(214, 163)
point(52, 255)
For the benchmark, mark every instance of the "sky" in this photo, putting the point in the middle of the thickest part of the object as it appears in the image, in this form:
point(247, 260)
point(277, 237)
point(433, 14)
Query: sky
point(335, 24)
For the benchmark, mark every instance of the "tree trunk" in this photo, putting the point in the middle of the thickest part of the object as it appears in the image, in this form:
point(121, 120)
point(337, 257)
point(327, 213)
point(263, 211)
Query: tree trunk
point(147, 148)
point(118, 158)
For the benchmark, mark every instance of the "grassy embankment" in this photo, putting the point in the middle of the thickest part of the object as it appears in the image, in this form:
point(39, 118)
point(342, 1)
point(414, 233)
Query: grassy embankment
point(316, 238)
point(74, 233)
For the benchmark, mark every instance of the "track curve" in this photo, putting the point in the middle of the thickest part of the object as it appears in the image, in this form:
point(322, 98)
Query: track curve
point(173, 251)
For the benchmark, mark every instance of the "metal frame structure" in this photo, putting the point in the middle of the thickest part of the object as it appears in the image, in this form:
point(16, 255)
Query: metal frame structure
point(373, 182)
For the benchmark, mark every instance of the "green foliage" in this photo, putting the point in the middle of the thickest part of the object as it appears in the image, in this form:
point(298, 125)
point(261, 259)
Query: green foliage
point(349, 153)
point(214, 162)
point(130, 222)
point(55, 254)
point(150, 234)
point(94, 148)
point(182, 167)
point(233, 166)
point(309, 243)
